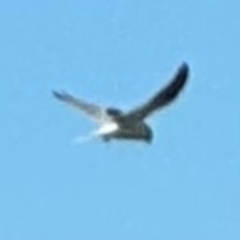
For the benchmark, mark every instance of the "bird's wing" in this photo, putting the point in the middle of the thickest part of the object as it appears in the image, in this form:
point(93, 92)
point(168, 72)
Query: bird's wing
point(164, 96)
point(97, 113)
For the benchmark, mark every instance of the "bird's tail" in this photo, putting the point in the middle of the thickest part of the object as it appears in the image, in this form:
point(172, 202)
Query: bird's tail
point(84, 139)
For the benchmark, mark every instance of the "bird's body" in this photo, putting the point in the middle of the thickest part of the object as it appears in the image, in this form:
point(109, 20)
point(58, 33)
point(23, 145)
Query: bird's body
point(123, 130)
point(115, 124)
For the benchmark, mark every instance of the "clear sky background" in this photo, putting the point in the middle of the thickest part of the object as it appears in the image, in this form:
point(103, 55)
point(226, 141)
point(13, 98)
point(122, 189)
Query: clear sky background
point(184, 186)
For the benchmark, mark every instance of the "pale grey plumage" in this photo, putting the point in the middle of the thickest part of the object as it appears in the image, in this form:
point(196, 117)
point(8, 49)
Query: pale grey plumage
point(96, 112)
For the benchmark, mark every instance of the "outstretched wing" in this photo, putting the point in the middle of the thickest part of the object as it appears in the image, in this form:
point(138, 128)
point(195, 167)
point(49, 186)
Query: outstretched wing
point(97, 113)
point(164, 96)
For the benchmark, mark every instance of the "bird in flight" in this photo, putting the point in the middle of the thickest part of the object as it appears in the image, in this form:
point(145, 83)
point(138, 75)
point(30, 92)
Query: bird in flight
point(131, 125)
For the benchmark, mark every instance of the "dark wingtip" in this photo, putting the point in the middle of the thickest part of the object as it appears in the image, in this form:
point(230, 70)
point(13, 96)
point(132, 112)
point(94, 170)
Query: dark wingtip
point(178, 83)
point(181, 76)
point(185, 65)
point(59, 95)
point(56, 94)
point(184, 70)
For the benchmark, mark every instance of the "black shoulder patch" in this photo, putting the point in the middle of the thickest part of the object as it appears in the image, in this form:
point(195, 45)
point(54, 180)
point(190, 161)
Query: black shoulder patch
point(114, 112)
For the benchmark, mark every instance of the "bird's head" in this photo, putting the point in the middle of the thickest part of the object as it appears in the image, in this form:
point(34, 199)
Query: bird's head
point(114, 112)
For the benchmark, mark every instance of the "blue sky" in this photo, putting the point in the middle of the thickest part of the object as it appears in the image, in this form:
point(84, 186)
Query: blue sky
point(184, 186)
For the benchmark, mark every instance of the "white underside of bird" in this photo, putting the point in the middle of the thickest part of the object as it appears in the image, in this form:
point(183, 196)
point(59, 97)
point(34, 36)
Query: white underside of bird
point(105, 129)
